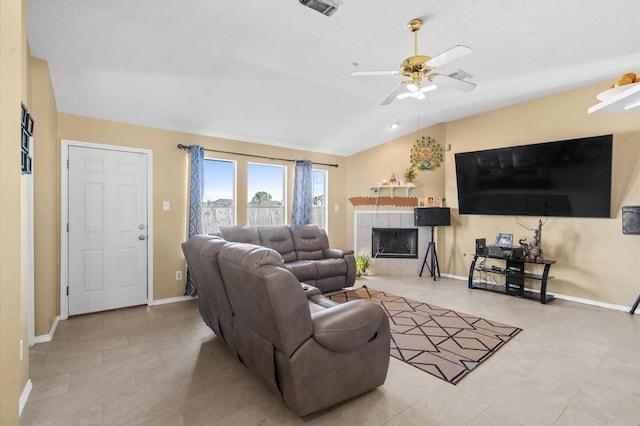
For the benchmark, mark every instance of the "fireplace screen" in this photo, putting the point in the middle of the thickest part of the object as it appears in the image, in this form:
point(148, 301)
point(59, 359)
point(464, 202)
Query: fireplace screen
point(394, 242)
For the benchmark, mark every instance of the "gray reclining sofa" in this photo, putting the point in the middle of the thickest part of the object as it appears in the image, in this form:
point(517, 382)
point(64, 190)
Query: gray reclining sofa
point(305, 251)
point(310, 351)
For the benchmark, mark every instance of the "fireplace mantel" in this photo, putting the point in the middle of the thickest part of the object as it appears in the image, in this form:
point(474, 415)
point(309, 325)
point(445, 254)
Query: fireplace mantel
point(384, 201)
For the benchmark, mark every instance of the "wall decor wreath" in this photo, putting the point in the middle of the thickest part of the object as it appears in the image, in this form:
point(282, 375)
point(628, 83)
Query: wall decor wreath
point(427, 154)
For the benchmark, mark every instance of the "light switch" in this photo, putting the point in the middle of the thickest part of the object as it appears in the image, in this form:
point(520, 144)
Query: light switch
point(166, 205)
point(336, 207)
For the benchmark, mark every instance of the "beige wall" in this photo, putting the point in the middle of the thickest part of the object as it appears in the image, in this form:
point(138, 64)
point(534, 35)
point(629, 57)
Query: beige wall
point(374, 165)
point(595, 260)
point(170, 183)
point(13, 90)
point(46, 193)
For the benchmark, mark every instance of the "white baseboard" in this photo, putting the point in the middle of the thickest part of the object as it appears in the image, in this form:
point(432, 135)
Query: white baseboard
point(568, 298)
point(25, 396)
point(595, 303)
point(455, 277)
point(172, 300)
point(47, 337)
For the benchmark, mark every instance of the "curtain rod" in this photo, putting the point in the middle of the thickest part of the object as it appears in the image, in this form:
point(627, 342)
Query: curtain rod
point(255, 156)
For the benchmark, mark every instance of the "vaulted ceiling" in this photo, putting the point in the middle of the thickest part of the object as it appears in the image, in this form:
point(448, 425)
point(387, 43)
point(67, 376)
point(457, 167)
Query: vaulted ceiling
point(278, 73)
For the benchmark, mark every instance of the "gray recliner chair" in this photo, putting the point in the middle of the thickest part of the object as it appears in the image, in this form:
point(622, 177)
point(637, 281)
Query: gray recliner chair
point(309, 350)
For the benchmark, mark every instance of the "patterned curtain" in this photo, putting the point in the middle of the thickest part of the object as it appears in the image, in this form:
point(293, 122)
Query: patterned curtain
point(196, 189)
point(303, 194)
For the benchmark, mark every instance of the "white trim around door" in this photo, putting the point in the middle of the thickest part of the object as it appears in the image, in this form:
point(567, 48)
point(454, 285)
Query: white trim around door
point(64, 217)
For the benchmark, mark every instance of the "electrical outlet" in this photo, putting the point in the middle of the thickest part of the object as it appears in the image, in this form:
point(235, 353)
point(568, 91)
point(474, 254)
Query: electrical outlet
point(166, 205)
point(178, 275)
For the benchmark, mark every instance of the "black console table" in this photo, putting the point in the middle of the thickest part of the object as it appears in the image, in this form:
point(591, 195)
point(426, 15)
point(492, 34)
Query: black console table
point(515, 274)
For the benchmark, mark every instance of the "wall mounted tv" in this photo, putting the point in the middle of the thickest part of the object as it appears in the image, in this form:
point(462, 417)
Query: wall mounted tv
point(570, 178)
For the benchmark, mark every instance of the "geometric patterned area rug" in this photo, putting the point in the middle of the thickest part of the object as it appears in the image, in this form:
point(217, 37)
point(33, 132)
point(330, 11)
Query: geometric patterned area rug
point(442, 342)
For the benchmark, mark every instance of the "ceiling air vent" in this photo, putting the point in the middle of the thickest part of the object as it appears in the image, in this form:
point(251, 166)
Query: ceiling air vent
point(460, 75)
point(326, 7)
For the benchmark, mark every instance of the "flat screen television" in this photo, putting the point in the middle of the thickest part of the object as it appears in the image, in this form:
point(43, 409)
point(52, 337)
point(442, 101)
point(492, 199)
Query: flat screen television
point(570, 178)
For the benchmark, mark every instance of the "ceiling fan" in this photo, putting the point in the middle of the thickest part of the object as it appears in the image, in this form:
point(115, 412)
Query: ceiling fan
point(418, 67)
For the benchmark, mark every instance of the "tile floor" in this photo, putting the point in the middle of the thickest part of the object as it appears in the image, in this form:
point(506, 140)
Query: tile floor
point(572, 365)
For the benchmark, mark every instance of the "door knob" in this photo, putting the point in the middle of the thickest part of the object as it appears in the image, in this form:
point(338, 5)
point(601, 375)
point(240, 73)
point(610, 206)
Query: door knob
point(141, 237)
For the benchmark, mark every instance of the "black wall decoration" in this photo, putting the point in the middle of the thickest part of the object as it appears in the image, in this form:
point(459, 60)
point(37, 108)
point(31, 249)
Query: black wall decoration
point(26, 140)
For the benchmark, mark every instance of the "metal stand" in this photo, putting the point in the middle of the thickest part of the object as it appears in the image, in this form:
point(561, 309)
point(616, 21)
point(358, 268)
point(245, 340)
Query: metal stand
point(635, 305)
point(431, 252)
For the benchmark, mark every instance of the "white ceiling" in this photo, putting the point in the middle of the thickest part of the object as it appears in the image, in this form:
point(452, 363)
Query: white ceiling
point(276, 72)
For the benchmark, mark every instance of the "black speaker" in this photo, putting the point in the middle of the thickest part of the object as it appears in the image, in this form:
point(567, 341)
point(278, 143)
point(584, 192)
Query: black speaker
point(631, 220)
point(481, 246)
point(431, 216)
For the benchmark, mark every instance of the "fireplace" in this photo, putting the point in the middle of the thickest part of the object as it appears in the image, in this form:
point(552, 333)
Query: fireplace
point(394, 243)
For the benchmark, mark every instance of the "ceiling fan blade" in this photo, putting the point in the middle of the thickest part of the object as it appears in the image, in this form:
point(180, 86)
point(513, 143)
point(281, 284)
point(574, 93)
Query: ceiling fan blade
point(394, 93)
point(452, 83)
point(368, 73)
point(447, 56)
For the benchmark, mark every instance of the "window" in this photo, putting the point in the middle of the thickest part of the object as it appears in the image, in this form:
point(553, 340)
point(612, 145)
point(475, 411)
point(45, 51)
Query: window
point(218, 198)
point(266, 194)
point(320, 198)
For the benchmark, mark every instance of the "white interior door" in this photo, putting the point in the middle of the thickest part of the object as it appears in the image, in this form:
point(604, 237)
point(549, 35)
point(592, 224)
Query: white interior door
point(107, 229)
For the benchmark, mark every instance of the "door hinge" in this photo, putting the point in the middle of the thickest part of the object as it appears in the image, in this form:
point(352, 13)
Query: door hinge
point(67, 163)
point(67, 290)
point(67, 226)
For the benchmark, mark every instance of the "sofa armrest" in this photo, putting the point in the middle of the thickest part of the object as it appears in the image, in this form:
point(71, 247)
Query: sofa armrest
point(347, 326)
point(310, 290)
point(334, 253)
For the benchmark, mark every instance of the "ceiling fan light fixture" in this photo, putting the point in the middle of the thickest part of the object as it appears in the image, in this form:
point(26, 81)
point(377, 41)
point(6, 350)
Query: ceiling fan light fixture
point(419, 68)
point(416, 92)
point(429, 88)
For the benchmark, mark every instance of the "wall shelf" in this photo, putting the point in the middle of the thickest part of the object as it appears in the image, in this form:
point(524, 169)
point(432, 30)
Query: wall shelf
point(384, 201)
point(625, 101)
point(406, 187)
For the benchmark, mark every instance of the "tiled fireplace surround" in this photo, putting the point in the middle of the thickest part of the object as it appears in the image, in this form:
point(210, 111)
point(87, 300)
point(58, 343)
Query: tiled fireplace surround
point(366, 220)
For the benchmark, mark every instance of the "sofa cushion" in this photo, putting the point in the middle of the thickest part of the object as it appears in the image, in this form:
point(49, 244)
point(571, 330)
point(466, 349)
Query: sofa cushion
point(304, 270)
point(331, 267)
point(310, 241)
point(278, 238)
point(241, 234)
